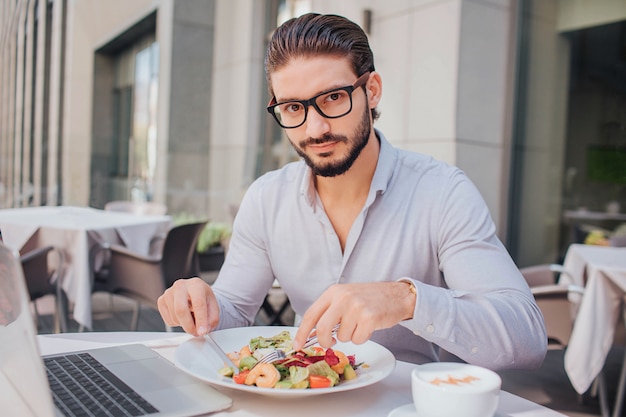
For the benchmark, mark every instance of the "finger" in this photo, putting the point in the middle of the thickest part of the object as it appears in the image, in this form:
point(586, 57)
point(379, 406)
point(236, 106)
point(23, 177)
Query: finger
point(322, 317)
point(198, 303)
point(214, 311)
point(361, 334)
point(309, 323)
point(346, 330)
point(182, 311)
point(355, 329)
point(305, 328)
point(325, 328)
point(164, 310)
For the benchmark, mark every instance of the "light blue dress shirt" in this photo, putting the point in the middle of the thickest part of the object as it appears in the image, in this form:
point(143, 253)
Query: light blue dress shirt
point(423, 220)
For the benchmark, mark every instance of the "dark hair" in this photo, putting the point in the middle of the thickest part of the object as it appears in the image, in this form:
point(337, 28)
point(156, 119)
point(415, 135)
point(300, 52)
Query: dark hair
point(315, 34)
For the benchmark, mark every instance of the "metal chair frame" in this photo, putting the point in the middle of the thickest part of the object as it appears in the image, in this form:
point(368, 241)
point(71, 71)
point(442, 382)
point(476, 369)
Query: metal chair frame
point(41, 282)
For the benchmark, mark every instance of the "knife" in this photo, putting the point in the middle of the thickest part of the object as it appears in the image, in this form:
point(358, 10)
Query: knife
point(221, 353)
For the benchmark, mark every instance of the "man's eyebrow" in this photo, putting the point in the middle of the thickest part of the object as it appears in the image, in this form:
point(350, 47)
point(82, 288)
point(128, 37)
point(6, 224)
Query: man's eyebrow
point(326, 90)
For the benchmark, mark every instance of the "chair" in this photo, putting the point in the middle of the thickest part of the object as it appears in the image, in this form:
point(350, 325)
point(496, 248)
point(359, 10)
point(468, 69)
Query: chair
point(274, 315)
point(144, 278)
point(557, 302)
point(42, 280)
point(141, 207)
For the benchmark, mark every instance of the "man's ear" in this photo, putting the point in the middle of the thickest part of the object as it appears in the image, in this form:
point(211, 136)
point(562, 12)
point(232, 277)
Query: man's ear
point(374, 89)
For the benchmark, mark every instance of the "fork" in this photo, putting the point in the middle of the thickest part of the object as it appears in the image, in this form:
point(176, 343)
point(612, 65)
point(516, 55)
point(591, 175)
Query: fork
point(279, 354)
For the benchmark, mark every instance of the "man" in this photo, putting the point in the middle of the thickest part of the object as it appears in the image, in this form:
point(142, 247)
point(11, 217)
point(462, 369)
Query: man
point(395, 246)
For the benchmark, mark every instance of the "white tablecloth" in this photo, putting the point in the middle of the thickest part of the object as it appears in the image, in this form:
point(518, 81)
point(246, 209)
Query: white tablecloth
point(377, 400)
point(75, 230)
point(602, 271)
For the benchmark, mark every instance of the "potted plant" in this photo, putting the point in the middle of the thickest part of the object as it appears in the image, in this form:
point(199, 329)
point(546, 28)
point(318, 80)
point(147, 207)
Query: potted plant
point(212, 242)
point(212, 245)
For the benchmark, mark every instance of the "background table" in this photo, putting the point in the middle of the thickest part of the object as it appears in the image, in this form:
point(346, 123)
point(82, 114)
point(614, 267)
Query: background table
point(581, 216)
point(75, 230)
point(373, 401)
point(602, 271)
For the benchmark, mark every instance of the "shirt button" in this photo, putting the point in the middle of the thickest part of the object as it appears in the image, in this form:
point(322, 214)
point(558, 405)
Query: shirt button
point(474, 349)
point(430, 328)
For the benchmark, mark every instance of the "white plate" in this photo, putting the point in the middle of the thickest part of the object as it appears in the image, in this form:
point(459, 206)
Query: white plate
point(197, 358)
point(408, 410)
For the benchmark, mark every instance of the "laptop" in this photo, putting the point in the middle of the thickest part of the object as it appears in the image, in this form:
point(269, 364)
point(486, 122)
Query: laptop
point(143, 381)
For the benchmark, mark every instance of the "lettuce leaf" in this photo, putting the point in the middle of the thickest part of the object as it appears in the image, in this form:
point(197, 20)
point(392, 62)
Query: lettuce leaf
point(280, 341)
point(322, 368)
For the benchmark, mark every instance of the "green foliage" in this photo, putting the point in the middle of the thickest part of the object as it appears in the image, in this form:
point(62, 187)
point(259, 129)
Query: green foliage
point(213, 235)
point(620, 230)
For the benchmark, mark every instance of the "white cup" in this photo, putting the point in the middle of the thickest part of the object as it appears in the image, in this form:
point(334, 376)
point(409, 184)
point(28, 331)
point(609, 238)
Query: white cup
point(450, 389)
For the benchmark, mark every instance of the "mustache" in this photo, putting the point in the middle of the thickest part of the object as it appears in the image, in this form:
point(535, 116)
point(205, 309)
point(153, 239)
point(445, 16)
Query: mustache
point(329, 137)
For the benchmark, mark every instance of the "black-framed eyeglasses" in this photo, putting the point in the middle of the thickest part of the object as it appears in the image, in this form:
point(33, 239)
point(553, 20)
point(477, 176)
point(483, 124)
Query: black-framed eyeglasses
point(331, 104)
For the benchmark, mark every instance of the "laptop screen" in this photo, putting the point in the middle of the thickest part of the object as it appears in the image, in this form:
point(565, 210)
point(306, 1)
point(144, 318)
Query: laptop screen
point(23, 382)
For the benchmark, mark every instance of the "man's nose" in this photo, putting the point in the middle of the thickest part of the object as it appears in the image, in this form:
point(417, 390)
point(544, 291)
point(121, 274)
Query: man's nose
point(316, 124)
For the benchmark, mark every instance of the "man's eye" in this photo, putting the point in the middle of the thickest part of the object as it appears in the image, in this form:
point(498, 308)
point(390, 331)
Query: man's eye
point(335, 96)
point(293, 107)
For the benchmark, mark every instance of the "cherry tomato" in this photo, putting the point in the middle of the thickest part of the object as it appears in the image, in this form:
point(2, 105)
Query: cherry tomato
point(319, 381)
point(318, 350)
point(240, 378)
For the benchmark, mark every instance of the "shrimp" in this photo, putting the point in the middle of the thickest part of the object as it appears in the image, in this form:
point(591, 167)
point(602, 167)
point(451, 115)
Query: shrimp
point(264, 375)
point(343, 361)
point(245, 351)
point(236, 357)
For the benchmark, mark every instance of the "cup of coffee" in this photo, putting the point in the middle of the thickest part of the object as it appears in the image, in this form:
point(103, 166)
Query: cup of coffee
point(450, 389)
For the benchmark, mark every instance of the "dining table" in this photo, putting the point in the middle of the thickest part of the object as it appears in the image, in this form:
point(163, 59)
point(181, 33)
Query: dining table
point(376, 400)
point(75, 231)
point(601, 270)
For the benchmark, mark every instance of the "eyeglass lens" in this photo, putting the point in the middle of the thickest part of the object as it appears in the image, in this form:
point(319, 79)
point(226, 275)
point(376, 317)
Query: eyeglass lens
point(333, 104)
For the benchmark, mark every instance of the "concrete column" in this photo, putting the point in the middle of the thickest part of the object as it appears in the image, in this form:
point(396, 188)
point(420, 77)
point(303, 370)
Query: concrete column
point(40, 93)
point(55, 103)
point(189, 96)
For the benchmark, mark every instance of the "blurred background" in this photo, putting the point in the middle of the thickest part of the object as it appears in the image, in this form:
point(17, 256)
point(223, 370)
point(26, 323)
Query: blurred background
point(164, 100)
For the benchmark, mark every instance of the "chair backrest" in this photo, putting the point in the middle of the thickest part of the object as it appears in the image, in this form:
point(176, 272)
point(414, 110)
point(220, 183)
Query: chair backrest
point(178, 259)
point(555, 301)
point(142, 207)
point(43, 276)
point(37, 272)
point(544, 274)
point(618, 241)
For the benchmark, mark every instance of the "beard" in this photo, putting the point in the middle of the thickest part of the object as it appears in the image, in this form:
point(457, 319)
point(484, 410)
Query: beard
point(332, 168)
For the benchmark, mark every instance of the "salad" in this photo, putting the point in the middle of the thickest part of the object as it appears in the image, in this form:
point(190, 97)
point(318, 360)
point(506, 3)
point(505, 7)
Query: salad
point(314, 367)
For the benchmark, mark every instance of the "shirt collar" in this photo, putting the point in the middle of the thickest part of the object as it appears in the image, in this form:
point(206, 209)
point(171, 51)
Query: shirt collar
point(387, 159)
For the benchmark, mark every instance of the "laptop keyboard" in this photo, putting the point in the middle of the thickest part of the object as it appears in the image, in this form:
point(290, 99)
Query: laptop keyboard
point(83, 387)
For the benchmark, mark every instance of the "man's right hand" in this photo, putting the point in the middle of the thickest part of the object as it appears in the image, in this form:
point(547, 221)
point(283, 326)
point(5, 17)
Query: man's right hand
point(191, 304)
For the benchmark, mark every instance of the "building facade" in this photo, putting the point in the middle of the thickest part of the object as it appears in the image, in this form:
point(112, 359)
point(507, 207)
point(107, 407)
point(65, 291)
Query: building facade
point(165, 100)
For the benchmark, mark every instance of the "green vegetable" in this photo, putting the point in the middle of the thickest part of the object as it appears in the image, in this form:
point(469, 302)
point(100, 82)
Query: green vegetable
point(301, 385)
point(247, 362)
point(349, 373)
point(284, 384)
point(323, 368)
point(281, 341)
point(226, 371)
point(298, 374)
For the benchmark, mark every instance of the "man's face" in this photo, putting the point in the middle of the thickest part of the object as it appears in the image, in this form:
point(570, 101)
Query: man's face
point(328, 146)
